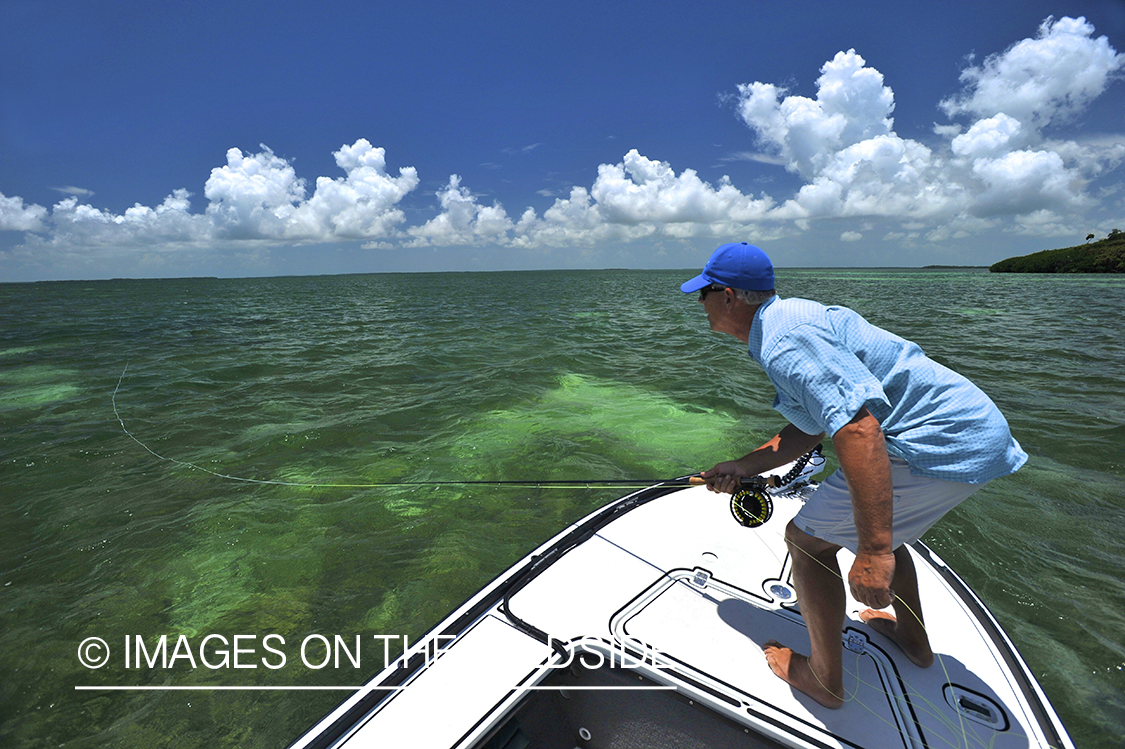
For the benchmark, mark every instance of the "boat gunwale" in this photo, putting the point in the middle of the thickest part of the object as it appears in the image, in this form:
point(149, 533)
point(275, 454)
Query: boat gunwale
point(491, 596)
point(1046, 717)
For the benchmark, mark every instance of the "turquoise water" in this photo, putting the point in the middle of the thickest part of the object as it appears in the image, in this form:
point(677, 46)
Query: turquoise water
point(438, 377)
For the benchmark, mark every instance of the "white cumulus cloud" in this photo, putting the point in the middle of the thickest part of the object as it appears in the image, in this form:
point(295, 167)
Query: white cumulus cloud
point(260, 196)
point(1036, 81)
point(15, 216)
point(256, 197)
point(843, 143)
point(633, 199)
point(641, 197)
point(852, 105)
point(1023, 182)
point(253, 196)
point(988, 137)
point(462, 220)
point(74, 225)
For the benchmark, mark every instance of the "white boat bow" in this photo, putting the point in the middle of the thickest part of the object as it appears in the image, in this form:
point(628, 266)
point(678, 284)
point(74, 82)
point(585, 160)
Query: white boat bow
point(643, 626)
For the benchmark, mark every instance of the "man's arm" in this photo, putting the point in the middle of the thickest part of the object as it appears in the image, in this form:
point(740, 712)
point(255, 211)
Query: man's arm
point(785, 447)
point(862, 453)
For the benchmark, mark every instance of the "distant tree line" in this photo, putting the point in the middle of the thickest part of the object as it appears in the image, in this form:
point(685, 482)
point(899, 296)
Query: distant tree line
point(1104, 256)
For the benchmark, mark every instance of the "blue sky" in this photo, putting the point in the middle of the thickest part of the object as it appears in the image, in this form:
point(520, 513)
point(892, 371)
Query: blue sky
point(250, 138)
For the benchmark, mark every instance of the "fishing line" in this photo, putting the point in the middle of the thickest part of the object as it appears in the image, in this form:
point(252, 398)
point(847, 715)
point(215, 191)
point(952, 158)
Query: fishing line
point(747, 518)
point(751, 484)
point(750, 507)
point(915, 699)
point(193, 466)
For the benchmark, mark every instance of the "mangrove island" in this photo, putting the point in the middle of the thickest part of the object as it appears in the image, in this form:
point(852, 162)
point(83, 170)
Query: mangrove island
point(1104, 256)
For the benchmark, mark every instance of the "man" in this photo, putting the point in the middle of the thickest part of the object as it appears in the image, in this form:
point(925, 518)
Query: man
point(912, 437)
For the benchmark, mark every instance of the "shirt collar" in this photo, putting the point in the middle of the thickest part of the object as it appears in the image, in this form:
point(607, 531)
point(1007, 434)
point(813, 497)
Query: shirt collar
point(755, 341)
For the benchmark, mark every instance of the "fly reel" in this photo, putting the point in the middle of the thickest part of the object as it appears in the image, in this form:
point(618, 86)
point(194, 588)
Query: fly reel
point(751, 507)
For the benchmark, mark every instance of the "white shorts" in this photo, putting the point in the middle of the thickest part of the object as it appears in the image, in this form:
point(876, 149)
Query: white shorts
point(919, 503)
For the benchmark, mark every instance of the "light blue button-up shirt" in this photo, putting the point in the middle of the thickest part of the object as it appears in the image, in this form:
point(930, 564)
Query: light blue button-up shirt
point(828, 362)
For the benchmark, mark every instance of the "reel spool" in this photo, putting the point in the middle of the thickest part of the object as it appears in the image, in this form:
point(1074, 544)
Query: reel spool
point(751, 507)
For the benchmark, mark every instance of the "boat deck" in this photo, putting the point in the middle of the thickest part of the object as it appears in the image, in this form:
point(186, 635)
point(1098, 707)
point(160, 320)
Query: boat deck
point(670, 604)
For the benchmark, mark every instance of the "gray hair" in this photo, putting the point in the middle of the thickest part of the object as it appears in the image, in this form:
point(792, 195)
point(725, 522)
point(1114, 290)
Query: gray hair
point(754, 297)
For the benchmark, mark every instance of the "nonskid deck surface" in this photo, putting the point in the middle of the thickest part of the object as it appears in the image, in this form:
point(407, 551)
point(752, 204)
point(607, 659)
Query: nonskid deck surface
point(706, 594)
point(679, 583)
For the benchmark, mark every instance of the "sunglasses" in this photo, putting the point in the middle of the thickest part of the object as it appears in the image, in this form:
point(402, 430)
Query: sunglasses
point(707, 289)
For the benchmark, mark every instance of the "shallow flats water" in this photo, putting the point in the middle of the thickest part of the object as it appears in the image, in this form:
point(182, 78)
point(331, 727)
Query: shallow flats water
point(326, 387)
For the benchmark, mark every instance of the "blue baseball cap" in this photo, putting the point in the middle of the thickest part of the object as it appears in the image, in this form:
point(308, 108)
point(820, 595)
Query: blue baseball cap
point(736, 265)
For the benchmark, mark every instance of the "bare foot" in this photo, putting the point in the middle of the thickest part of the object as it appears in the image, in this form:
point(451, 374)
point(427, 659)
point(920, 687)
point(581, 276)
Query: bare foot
point(916, 648)
point(794, 669)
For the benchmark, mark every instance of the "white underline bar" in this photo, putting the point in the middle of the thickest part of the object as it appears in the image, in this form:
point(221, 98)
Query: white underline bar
point(217, 689)
point(594, 689)
point(340, 689)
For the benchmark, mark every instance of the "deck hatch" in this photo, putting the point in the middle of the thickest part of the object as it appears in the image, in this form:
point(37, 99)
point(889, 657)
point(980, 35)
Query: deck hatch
point(976, 707)
point(720, 631)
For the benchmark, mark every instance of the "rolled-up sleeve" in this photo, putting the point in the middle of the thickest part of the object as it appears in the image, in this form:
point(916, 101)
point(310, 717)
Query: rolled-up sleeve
point(821, 385)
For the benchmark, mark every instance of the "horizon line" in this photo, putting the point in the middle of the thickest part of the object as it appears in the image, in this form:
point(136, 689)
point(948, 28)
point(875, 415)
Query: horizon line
point(495, 270)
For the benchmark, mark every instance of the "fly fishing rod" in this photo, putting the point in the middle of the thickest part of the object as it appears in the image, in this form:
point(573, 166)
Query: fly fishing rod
point(693, 480)
point(750, 505)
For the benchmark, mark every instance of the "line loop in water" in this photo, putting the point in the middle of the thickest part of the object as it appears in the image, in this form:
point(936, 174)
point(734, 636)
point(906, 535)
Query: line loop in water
point(523, 483)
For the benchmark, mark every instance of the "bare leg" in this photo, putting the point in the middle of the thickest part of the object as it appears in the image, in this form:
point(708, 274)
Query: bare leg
point(816, 575)
point(906, 627)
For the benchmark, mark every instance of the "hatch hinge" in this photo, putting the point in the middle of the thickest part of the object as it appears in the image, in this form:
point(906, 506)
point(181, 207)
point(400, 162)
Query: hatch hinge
point(856, 643)
point(701, 578)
